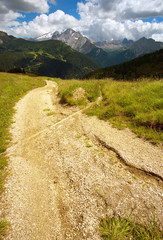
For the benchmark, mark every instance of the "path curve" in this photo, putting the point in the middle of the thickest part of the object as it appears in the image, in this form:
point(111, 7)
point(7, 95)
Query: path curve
point(63, 180)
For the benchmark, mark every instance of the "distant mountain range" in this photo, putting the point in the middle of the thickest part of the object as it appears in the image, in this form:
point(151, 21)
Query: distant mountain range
point(50, 58)
point(105, 53)
point(148, 66)
point(114, 44)
point(69, 54)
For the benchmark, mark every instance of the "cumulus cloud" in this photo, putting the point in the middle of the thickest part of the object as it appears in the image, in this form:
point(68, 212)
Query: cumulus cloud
point(45, 23)
point(110, 29)
point(107, 19)
point(158, 37)
point(7, 20)
point(39, 6)
point(121, 9)
point(10, 11)
point(99, 19)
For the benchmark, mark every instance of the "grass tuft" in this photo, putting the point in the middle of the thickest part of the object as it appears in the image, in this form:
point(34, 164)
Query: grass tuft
point(67, 88)
point(3, 228)
point(119, 228)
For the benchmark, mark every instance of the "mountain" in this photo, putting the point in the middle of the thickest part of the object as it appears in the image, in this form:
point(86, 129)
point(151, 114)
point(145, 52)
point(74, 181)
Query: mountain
point(106, 53)
point(5, 40)
point(149, 65)
point(114, 44)
point(144, 46)
point(139, 48)
point(74, 39)
point(51, 58)
point(79, 43)
point(127, 43)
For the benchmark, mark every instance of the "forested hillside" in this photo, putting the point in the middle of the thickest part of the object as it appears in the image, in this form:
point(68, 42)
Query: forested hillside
point(51, 58)
point(149, 66)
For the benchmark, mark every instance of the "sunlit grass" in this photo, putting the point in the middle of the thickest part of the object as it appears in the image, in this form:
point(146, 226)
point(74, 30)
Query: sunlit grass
point(3, 228)
point(12, 87)
point(67, 88)
point(119, 228)
point(137, 105)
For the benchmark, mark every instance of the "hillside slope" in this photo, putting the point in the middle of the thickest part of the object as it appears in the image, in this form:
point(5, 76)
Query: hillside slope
point(133, 50)
point(51, 58)
point(104, 53)
point(79, 43)
point(149, 65)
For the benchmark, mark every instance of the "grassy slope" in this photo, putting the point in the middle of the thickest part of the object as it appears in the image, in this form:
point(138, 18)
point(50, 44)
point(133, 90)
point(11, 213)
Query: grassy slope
point(50, 58)
point(149, 66)
point(12, 87)
point(137, 105)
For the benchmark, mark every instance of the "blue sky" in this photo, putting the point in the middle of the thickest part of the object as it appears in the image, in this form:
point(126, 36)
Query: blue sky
point(97, 19)
point(69, 7)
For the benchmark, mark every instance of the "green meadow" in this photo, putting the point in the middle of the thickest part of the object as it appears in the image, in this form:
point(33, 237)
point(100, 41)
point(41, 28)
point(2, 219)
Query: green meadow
point(137, 105)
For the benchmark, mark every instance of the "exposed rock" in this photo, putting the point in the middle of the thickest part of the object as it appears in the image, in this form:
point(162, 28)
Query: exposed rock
point(79, 93)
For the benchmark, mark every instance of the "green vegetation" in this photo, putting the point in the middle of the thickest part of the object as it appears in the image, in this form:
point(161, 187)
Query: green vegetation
point(149, 66)
point(67, 88)
point(137, 105)
point(111, 57)
point(50, 113)
point(3, 228)
point(48, 58)
point(117, 228)
point(12, 87)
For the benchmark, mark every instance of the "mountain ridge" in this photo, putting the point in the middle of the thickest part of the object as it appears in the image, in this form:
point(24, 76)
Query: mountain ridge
point(147, 66)
point(51, 58)
point(106, 53)
point(78, 42)
point(55, 58)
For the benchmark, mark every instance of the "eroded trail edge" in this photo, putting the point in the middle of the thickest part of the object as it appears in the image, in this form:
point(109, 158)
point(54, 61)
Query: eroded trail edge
point(63, 177)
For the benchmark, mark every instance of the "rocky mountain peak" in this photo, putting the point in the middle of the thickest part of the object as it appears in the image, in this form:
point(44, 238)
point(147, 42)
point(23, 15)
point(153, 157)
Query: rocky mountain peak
point(69, 31)
point(3, 34)
point(75, 40)
point(55, 35)
point(4, 38)
point(127, 42)
point(144, 46)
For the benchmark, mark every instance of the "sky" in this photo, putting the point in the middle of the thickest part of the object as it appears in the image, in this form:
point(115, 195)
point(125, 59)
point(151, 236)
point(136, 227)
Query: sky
point(99, 20)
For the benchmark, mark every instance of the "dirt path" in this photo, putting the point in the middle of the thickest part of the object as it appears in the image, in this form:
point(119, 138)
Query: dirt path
point(69, 170)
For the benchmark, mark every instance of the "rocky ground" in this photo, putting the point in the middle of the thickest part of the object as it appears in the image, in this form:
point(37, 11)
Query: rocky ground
point(68, 170)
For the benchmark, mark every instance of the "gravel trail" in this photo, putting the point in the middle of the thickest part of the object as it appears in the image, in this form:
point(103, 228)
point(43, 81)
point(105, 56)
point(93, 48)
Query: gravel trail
point(67, 171)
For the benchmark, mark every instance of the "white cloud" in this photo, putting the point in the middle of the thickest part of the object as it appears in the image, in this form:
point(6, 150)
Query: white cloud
point(99, 19)
point(9, 11)
point(7, 20)
point(45, 23)
point(158, 37)
point(108, 29)
point(121, 9)
point(107, 19)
